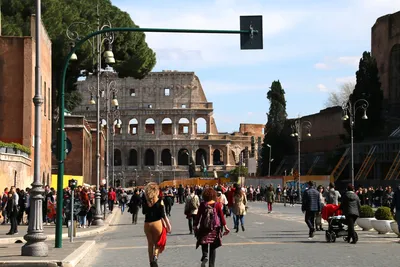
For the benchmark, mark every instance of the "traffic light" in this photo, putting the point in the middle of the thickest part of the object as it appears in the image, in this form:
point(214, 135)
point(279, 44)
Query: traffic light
point(254, 39)
point(72, 184)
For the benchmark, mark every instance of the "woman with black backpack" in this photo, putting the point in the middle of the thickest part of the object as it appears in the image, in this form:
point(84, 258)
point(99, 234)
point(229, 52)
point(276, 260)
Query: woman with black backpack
point(208, 226)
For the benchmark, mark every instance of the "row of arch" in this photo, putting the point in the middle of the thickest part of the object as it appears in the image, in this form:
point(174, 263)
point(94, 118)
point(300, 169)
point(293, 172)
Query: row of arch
point(183, 157)
point(167, 125)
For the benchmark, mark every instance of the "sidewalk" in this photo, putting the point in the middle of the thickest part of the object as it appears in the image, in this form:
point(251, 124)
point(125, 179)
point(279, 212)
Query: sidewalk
point(49, 230)
point(68, 256)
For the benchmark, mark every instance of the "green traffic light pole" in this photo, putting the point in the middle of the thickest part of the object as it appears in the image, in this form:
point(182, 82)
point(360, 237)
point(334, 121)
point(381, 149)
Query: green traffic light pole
point(251, 38)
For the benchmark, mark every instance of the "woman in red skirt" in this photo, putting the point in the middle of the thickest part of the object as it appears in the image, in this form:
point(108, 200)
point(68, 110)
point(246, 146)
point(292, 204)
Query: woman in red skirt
point(156, 224)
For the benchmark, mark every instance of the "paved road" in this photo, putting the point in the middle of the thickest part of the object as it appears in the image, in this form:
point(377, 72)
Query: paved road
point(273, 239)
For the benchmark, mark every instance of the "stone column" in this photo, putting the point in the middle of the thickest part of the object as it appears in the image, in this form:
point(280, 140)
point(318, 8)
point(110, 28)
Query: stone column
point(157, 128)
point(228, 150)
point(191, 128)
point(174, 128)
point(210, 155)
point(208, 126)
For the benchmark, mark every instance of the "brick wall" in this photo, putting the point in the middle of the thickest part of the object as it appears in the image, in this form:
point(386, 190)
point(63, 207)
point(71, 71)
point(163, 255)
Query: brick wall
point(15, 170)
point(93, 180)
point(17, 89)
point(252, 129)
point(327, 128)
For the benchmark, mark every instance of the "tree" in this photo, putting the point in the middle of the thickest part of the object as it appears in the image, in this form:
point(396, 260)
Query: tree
point(240, 170)
point(338, 98)
point(368, 87)
point(275, 135)
point(133, 56)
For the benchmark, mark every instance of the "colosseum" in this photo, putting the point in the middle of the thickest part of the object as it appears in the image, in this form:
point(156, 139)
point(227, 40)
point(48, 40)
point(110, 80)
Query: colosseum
point(163, 125)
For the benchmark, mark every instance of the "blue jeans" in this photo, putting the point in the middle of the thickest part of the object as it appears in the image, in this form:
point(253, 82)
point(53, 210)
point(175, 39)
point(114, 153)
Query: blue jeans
point(239, 218)
point(82, 220)
point(233, 215)
point(122, 207)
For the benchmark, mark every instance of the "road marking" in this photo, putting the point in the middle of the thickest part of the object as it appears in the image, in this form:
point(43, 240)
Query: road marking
point(244, 244)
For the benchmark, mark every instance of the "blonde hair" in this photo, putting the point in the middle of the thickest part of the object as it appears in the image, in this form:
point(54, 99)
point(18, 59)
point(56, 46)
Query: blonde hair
point(152, 192)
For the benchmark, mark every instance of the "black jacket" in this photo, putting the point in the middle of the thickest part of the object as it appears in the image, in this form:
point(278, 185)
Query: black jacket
point(311, 200)
point(350, 204)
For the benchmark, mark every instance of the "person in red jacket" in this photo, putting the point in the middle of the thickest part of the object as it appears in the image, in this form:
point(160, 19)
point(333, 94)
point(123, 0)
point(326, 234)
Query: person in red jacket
point(229, 196)
point(111, 199)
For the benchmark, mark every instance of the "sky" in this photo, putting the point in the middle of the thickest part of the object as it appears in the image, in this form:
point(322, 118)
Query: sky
point(310, 46)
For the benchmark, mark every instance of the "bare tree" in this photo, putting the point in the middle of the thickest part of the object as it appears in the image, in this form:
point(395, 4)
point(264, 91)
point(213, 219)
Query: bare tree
point(339, 97)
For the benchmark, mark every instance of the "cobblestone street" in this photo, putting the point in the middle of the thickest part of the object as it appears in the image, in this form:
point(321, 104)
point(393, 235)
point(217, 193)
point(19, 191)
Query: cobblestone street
point(280, 238)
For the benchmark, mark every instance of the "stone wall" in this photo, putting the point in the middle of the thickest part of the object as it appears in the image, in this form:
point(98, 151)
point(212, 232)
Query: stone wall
point(15, 170)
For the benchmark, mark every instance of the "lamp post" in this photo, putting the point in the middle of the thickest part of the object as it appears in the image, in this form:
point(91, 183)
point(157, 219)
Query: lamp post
point(188, 154)
point(136, 176)
point(269, 160)
point(35, 237)
point(350, 111)
point(150, 174)
point(97, 43)
point(173, 167)
point(297, 131)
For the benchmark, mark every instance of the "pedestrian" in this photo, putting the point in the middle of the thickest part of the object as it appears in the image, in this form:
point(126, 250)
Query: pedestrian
point(351, 207)
point(311, 205)
point(396, 205)
point(318, 216)
point(12, 210)
point(156, 224)
point(192, 204)
point(111, 199)
point(270, 197)
point(332, 196)
point(239, 207)
point(123, 199)
point(208, 226)
point(134, 205)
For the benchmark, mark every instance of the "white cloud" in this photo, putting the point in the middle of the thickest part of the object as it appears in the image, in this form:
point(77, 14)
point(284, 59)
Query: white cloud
point(348, 79)
point(321, 66)
point(352, 61)
point(322, 88)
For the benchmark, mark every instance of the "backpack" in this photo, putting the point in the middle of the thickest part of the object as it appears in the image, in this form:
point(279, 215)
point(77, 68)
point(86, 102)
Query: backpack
point(331, 197)
point(191, 204)
point(210, 219)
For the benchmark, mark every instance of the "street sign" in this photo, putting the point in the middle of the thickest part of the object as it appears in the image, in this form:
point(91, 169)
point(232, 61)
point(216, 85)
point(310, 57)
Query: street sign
point(68, 147)
point(254, 40)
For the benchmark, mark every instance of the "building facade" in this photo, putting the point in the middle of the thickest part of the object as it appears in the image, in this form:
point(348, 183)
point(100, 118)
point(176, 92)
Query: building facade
point(167, 123)
point(17, 89)
point(385, 47)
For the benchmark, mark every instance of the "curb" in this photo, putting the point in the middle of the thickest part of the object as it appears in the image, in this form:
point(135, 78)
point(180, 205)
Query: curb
point(75, 257)
point(109, 220)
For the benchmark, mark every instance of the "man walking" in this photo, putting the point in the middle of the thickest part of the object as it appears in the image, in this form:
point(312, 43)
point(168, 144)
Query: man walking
point(311, 206)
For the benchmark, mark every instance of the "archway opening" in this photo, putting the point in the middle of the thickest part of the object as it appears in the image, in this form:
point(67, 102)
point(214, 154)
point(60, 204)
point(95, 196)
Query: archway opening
point(132, 160)
point(183, 156)
point(183, 126)
point(166, 157)
point(133, 127)
point(149, 157)
point(201, 157)
point(217, 157)
point(166, 126)
point(117, 157)
point(201, 126)
point(149, 126)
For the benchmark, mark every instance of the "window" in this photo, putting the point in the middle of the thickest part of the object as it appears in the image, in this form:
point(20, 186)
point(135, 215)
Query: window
point(183, 106)
point(166, 92)
point(45, 99)
point(132, 92)
point(185, 129)
point(150, 106)
point(134, 130)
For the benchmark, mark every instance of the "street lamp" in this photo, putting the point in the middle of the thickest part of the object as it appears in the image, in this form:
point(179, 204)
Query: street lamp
point(349, 111)
point(297, 131)
point(35, 245)
point(97, 51)
point(173, 167)
point(269, 160)
point(150, 174)
point(136, 176)
point(188, 154)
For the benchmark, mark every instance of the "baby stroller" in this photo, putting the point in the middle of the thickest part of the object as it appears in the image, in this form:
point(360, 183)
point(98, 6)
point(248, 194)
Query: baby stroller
point(337, 223)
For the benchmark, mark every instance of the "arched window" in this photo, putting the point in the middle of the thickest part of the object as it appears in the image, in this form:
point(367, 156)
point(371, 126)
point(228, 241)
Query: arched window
point(183, 126)
point(183, 156)
point(149, 126)
point(201, 157)
point(166, 157)
point(217, 157)
point(166, 126)
point(201, 126)
point(117, 157)
point(132, 160)
point(133, 127)
point(149, 157)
